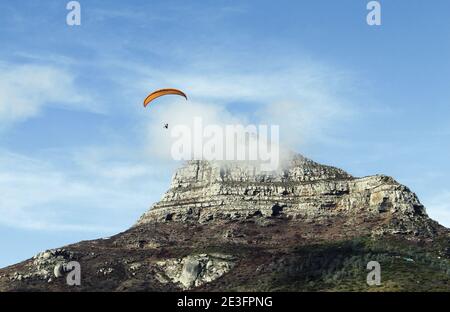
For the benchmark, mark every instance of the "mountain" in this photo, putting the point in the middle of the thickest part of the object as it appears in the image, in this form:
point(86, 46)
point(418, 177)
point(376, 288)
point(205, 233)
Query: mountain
point(228, 226)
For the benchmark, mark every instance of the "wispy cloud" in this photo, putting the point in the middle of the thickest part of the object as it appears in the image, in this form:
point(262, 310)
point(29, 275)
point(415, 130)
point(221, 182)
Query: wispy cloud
point(307, 101)
point(25, 90)
point(39, 194)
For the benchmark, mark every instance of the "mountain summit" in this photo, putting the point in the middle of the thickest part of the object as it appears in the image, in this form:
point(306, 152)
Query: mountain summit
point(305, 191)
point(229, 226)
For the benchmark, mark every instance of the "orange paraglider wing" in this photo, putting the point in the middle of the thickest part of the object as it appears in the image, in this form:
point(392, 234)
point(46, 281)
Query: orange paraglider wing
point(162, 92)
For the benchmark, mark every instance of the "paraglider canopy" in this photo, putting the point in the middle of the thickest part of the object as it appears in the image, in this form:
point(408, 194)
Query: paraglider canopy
point(162, 92)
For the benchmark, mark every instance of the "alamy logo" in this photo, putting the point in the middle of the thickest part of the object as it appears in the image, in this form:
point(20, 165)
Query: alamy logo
point(253, 143)
point(374, 276)
point(74, 16)
point(374, 16)
point(73, 271)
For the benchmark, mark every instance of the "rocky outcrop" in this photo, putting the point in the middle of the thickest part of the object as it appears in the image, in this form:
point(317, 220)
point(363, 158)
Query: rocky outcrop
point(195, 270)
point(204, 192)
point(45, 266)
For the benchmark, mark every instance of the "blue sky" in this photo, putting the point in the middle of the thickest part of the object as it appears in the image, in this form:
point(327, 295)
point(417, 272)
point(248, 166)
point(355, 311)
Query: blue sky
point(81, 159)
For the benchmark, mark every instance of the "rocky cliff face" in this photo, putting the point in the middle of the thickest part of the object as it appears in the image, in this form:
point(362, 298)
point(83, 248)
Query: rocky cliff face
point(227, 226)
point(206, 192)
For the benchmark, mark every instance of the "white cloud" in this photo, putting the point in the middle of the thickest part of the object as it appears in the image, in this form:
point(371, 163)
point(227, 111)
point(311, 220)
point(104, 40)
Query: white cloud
point(26, 89)
point(99, 197)
point(181, 113)
point(306, 101)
